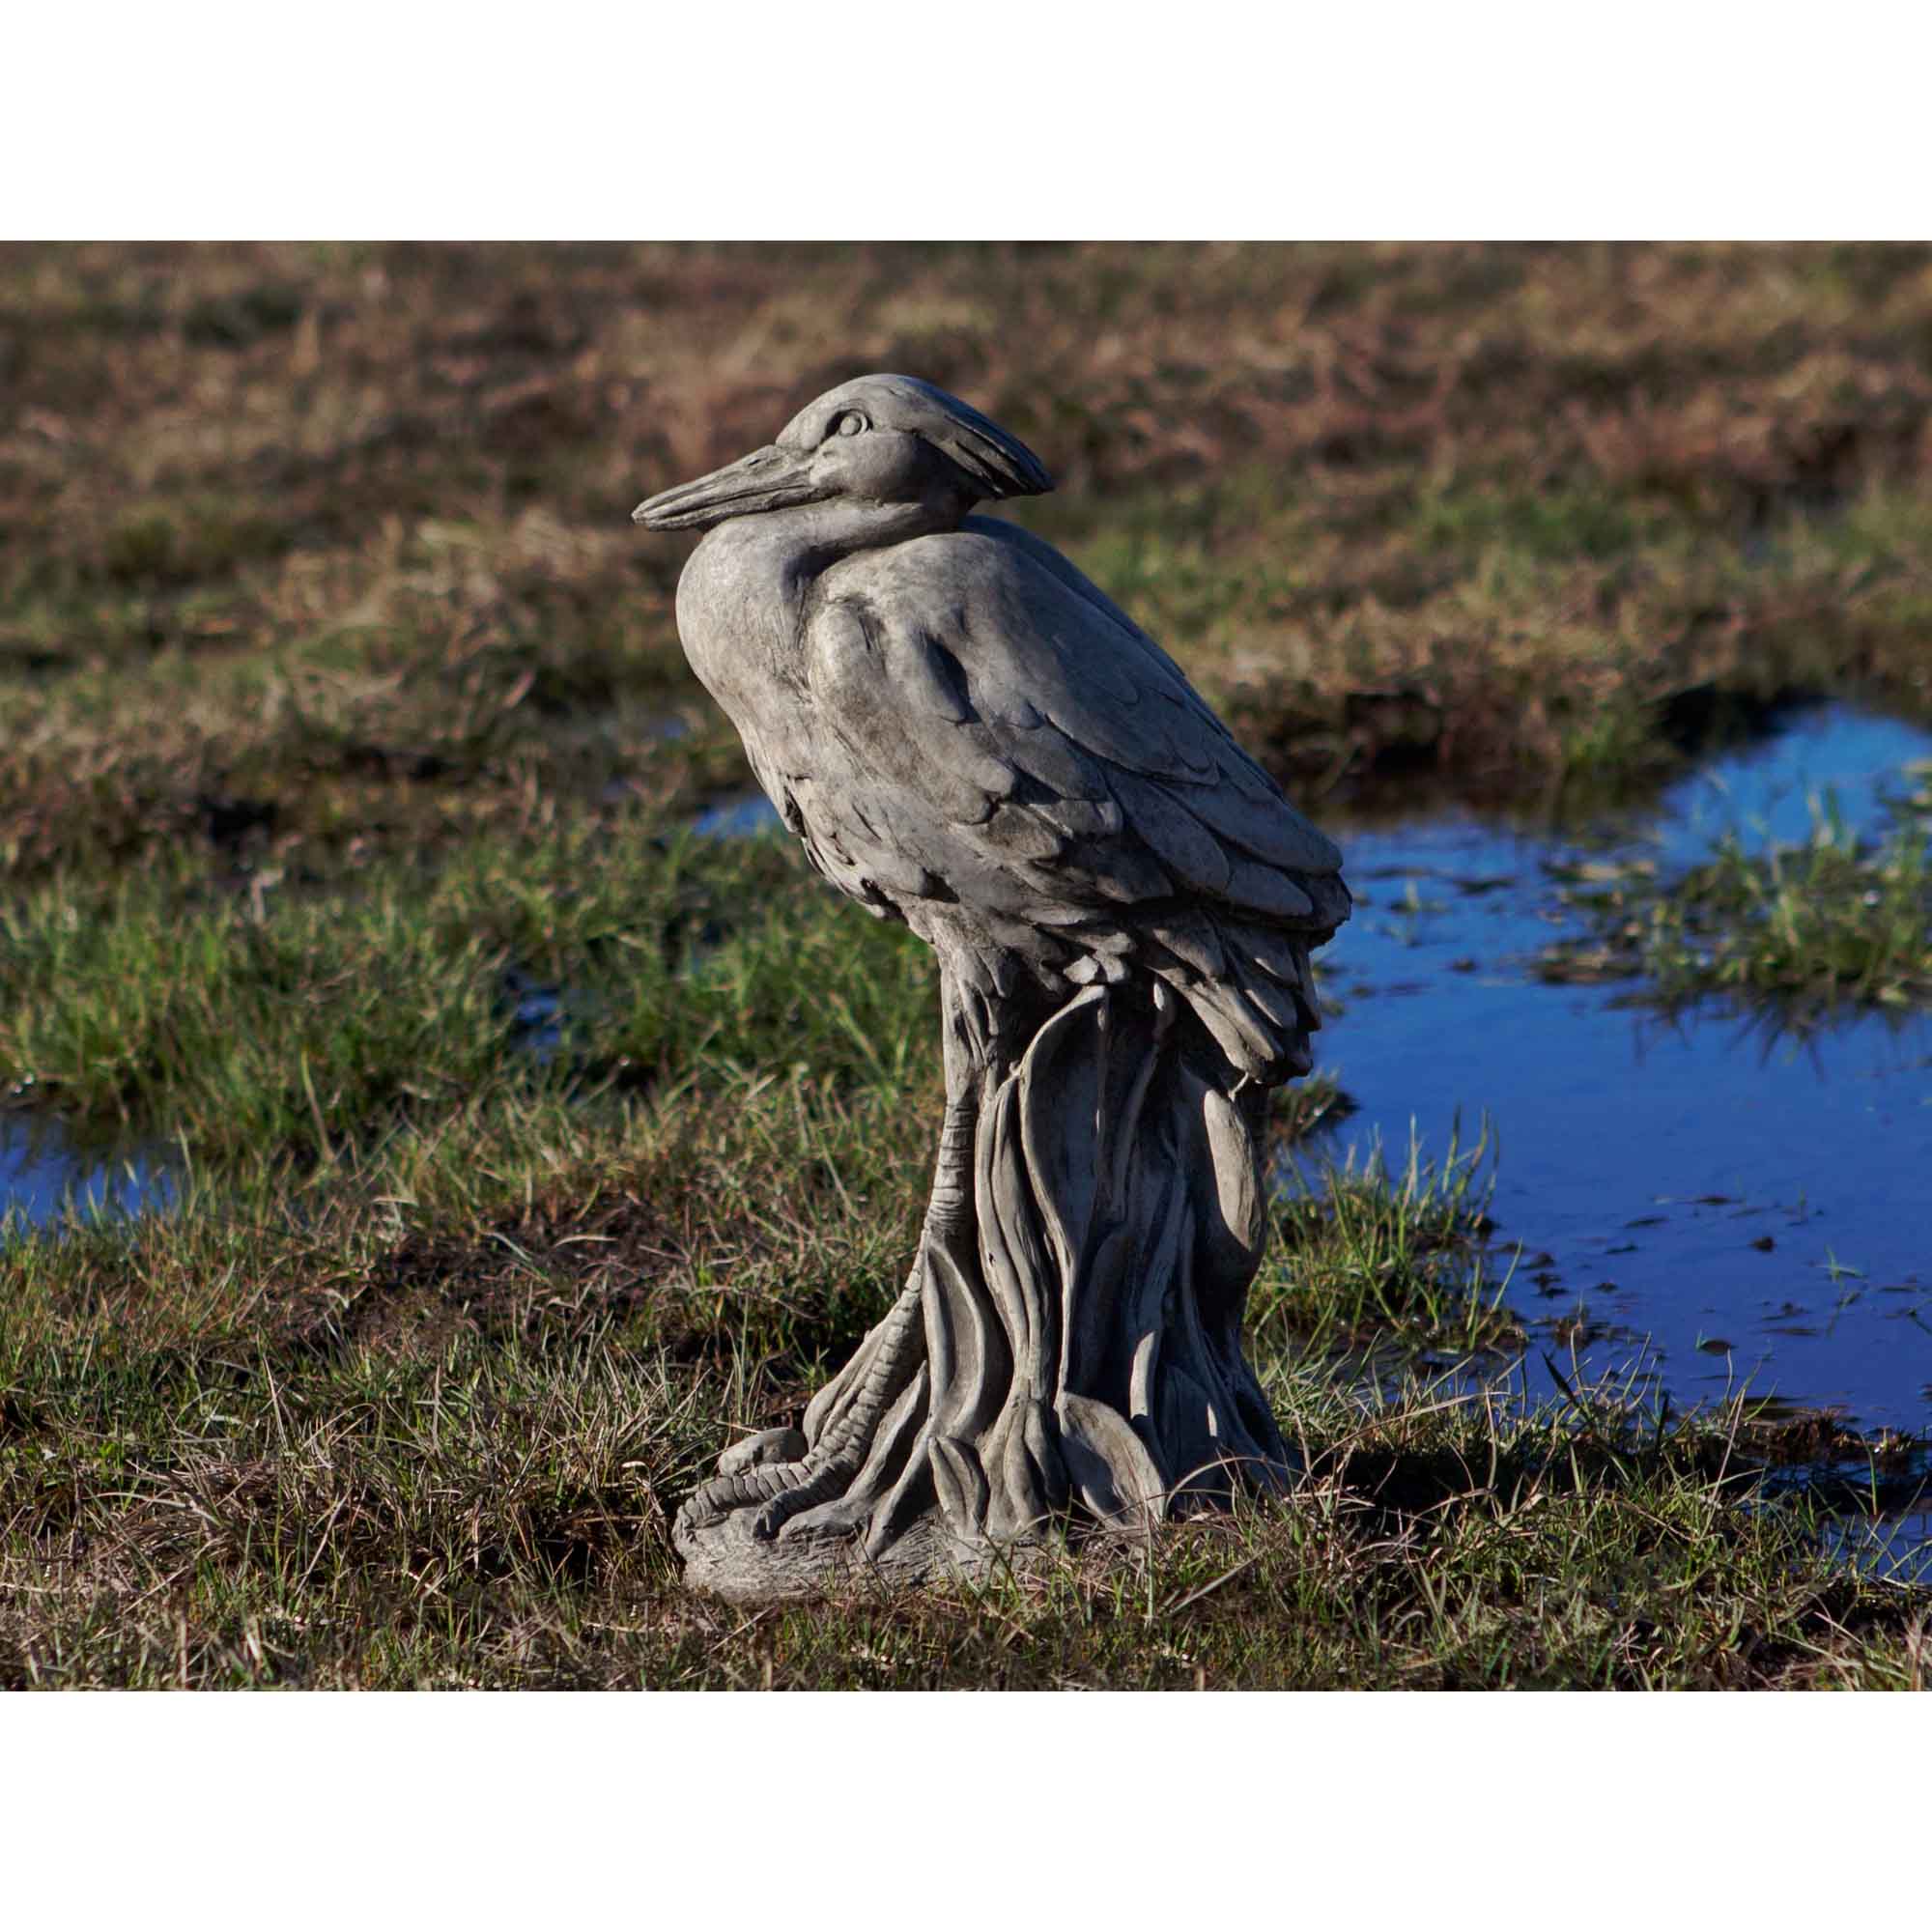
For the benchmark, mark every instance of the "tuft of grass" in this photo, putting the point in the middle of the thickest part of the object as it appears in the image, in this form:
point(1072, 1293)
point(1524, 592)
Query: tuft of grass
point(1801, 929)
point(1364, 1260)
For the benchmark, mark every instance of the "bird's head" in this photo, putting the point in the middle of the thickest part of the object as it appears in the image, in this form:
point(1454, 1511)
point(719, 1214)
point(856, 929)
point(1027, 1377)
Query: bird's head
point(883, 441)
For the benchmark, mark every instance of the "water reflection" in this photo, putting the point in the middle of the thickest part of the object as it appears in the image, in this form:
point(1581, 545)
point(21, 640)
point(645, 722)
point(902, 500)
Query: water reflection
point(1752, 1205)
point(1895, 1547)
point(44, 1178)
point(737, 818)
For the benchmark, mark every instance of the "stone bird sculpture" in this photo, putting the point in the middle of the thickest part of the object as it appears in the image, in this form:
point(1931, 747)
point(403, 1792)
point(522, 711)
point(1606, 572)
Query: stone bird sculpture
point(966, 735)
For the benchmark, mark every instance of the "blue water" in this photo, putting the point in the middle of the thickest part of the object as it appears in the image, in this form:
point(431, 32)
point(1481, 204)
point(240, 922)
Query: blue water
point(1899, 1546)
point(1829, 752)
point(44, 1180)
point(1734, 1209)
point(743, 817)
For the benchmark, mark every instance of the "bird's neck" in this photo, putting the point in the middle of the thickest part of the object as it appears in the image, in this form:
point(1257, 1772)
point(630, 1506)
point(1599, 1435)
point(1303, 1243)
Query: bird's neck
point(754, 574)
point(818, 534)
point(742, 600)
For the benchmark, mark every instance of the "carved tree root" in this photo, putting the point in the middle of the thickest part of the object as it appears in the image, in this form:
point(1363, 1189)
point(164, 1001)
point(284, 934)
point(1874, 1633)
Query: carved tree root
point(1071, 1332)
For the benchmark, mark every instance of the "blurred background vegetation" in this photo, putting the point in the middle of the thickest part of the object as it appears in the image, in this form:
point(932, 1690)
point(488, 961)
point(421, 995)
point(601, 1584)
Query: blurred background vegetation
point(327, 545)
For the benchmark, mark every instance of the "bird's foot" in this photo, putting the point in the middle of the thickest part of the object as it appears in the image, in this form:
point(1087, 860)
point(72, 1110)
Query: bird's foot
point(768, 1445)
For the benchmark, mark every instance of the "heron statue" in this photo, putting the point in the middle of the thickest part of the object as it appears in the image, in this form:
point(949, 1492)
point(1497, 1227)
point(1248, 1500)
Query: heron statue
point(967, 736)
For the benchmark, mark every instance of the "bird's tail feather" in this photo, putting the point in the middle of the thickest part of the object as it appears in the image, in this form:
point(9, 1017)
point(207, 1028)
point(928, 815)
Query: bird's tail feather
point(1251, 987)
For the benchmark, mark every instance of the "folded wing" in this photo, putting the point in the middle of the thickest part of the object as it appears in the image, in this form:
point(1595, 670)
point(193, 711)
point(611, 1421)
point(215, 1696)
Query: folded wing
point(1004, 740)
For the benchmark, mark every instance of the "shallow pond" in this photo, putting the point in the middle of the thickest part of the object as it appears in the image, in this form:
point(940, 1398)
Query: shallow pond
point(1729, 1207)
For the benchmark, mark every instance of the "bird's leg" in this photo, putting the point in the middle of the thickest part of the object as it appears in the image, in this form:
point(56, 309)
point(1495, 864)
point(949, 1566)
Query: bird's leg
point(949, 1212)
point(843, 1419)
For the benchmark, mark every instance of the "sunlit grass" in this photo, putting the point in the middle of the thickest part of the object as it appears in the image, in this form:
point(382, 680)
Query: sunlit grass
point(309, 552)
point(1367, 1257)
point(1840, 919)
point(467, 1516)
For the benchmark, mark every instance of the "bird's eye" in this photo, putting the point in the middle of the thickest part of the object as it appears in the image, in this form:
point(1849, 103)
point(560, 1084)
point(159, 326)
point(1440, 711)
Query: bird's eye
point(850, 424)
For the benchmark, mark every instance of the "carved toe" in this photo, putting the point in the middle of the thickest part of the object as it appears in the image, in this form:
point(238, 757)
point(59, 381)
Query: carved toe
point(769, 1445)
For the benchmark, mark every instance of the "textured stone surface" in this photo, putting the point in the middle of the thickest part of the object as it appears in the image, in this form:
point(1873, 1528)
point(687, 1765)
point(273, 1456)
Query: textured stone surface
point(967, 736)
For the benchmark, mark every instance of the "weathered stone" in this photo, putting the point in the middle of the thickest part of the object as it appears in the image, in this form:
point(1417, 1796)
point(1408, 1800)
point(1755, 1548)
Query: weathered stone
point(969, 737)
point(768, 1445)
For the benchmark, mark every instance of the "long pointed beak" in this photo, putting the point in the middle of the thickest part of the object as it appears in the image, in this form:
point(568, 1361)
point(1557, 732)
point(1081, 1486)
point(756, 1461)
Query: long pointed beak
point(767, 479)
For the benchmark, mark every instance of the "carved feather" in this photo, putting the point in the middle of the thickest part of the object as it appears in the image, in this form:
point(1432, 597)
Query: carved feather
point(1044, 781)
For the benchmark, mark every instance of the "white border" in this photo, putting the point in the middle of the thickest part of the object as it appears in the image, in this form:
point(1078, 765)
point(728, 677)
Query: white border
point(963, 1811)
point(561, 122)
point(735, 118)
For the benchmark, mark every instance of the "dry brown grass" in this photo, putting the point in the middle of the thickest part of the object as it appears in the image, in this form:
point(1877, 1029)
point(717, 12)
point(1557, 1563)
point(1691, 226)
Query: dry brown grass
point(336, 536)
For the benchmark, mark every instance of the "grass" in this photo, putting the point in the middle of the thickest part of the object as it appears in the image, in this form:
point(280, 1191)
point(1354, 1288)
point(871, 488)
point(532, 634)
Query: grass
point(404, 1391)
point(528, 1148)
point(1367, 1261)
point(1798, 930)
point(494, 1515)
point(318, 552)
point(300, 1014)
